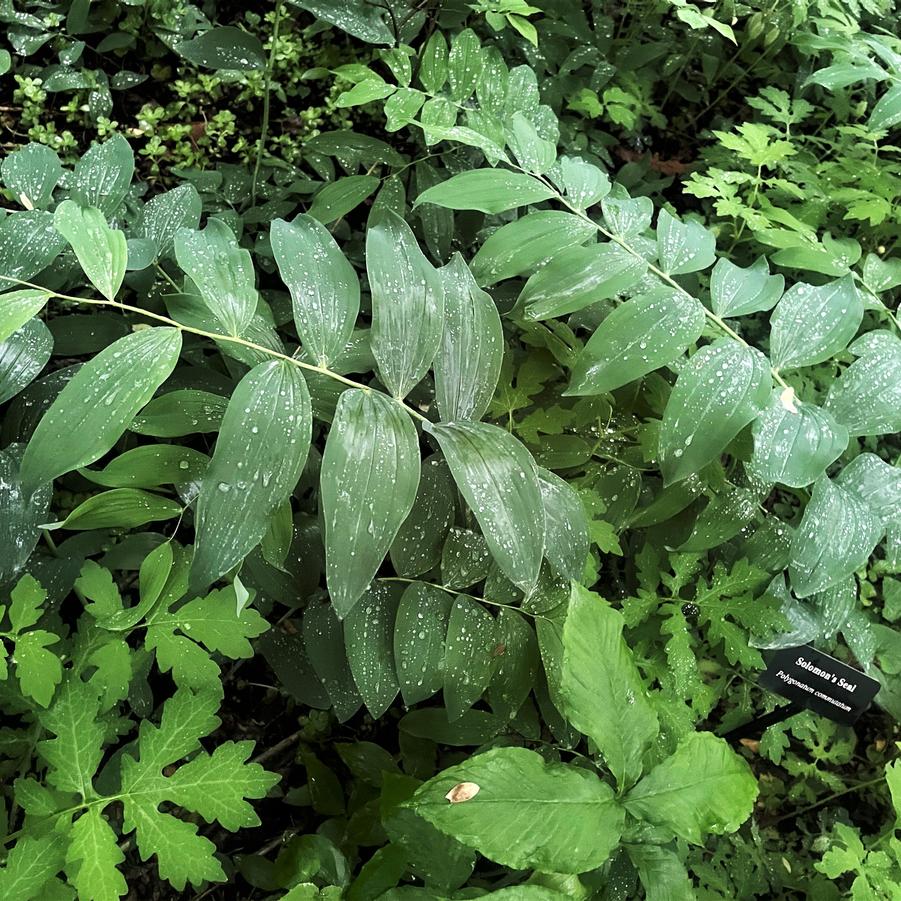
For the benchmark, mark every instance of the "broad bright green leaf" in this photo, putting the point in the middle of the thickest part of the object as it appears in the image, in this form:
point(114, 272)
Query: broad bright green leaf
point(486, 190)
point(368, 482)
point(163, 215)
point(566, 542)
point(812, 324)
point(739, 292)
point(259, 456)
point(93, 857)
point(369, 639)
point(32, 173)
point(875, 482)
point(532, 152)
point(417, 547)
point(407, 304)
point(325, 291)
point(22, 356)
point(703, 788)
point(120, 508)
point(837, 534)
point(17, 307)
point(627, 217)
point(866, 397)
point(638, 337)
point(101, 251)
point(585, 184)
point(683, 246)
point(103, 174)
point(224, 47)
point(94, 409)
point(468, 362)
point(464, 64)
point(578, 277)
point(603, 695)
point(528, 243)
point(28, 244)
point(469, 659)
point(662, 873)
point(498, 478)
point(419, 636)
point(222, 271)
point(526, 813)
point(722, 519)
point(722, 388)
point(794, 442)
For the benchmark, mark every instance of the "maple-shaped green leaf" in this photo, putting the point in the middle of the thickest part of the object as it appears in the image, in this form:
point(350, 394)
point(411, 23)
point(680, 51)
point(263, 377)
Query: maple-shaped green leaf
point(32, 860)
point(185, 637)
point(39, 671)
point(211, 785)
point(216, 785)
point(93, 857)
point(72, 757)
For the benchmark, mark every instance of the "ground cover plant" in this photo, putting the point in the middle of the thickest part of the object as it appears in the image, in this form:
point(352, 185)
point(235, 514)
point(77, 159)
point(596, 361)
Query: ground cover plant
point(420, 422)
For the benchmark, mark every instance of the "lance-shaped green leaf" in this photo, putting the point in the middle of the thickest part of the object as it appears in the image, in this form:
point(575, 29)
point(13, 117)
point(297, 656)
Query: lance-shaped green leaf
point(163, 215)
point(369, 641)
point(22, 356)
point(578, 277)
point(95, 408)
point(722, 519)
point(812, 324)
point(31, 174)
point(794, 441)
point(498, 478)
point(638, 337)
point(21, 514)
point(323, 640)
point(325, 292)
point(419, 635)
point(722, 388)
point(260, 453)
point(603, 695)
point(585, 184)
point(836, 536)
point(627, 216)
point(566, 543)
point(683, 246)
point(102, 251)
point(738, 292)
point(224, 47)
point(119, 508)
point(518, 810)
point(368, 482)
point(469, 658)
point(28, 244)
point(17, 307)
point(866, 397)
point(486, 190)
point(103, 174)
point(527, 243)
point(876, 483)
point(469, 358)
point(703, 788)
point(222, 272)
point(417, 547)
point(407, 304)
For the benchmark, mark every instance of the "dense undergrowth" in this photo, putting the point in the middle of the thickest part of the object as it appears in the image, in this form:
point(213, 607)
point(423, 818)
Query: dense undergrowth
point(419, 423)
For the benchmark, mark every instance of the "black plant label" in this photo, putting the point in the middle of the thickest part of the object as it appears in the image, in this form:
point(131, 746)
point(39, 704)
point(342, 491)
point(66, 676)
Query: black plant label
point(821, 683)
